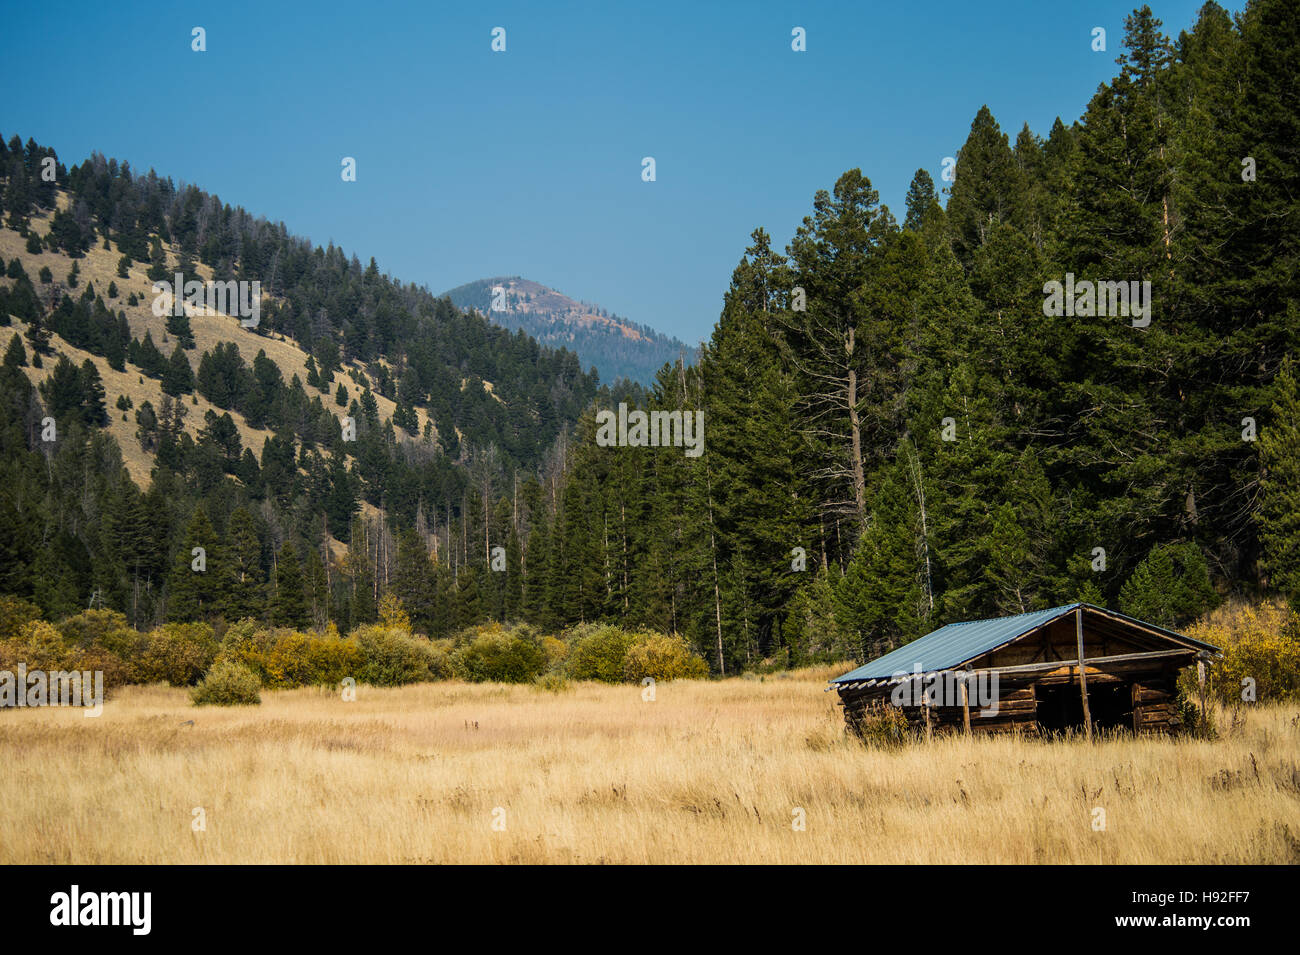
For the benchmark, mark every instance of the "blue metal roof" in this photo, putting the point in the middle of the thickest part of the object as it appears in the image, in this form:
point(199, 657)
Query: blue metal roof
point(956, 643)
point(952, 645)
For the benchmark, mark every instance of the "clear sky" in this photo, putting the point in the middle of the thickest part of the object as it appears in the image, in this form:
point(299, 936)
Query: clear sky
point(472, 163)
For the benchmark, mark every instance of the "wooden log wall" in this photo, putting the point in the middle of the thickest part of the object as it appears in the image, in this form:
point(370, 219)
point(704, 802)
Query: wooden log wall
point(1017, 712)
point(1155, 705)
point(1153, 695)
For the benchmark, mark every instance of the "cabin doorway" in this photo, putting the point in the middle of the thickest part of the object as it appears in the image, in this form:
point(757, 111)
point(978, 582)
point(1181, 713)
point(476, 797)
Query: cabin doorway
point(1060, 707)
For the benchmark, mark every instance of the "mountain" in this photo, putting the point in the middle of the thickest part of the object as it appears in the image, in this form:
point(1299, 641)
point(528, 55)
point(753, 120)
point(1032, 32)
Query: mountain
point(295, 403)
point(618, 348)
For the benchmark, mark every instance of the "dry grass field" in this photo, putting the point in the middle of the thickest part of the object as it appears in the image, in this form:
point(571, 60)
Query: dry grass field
point(707, 772)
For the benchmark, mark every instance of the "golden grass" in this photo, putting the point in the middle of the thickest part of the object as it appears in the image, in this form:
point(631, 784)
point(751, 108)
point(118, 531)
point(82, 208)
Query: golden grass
point(707, 772)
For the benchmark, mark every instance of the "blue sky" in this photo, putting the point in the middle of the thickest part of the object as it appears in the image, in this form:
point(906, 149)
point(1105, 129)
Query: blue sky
point(472, 163)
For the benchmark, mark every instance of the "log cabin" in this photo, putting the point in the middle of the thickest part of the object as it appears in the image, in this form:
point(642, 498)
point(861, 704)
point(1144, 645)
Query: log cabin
point(1076, 667)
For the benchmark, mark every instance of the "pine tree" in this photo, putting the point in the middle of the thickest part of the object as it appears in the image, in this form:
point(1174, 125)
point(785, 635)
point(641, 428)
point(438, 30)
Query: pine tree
point(38, 336)
point(414, 582)
point(989, 188)
point(1170, 588)
point(178, 326)
point(15, 354)
point(318, 590)
point(62, 390)
point(1279, 488)
point(94, 410)
point(288, 604)
point(921, 198)
point(178, 378)
point(158, 271)
point(191, 593)
point(244, 582)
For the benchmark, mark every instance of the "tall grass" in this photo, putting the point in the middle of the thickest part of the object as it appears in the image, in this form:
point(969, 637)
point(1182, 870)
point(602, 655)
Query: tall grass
point(706, 772)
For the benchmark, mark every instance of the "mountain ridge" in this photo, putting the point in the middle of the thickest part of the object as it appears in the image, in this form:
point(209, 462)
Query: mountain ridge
point(617, 347)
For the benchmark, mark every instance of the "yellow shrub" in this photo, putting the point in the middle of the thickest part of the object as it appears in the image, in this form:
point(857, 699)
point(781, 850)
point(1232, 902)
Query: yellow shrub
point(391, 613)
point(662, 657)
point(283, 658)
point(178, 653)
point(1260, 642)
point(39, 645)
point(14, 613)
point(555, 649)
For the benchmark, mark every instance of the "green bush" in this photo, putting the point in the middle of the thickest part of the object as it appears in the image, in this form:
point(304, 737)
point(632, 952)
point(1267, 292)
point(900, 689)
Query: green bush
point(597, 651)
point(662, 657)
point(503, 658)
point(611, 654)
point(40, 646)
point(394, 657)
point(92, 628)
point(228, 684)
point(551, 682)
point(330, 658)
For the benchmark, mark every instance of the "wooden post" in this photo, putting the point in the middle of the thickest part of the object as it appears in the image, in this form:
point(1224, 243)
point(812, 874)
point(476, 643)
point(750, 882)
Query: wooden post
point(925, 708)
point(1200, 678)
point(1083, 677)
point(965, 704)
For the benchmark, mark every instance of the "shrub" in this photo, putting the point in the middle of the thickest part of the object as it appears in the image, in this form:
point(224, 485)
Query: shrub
point(14, 612)
point(555, 649)
point(596, 652)
point(1261, 642)
point(330, 658)
point(1195, 720)
point(1272, 661)
point(39, 645)
point(551, 682)
point(227, 684)
point(246, 643)
point(882, 725)
point(662, 657)
point(284, 658)
point(613, 655)
point(503, 658)
point(91, 628)
point(444, 662)
point(178, 653)
point(393, 657)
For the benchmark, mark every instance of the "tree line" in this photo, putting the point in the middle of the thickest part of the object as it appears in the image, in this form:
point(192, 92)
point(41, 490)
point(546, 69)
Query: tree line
point(897, 434)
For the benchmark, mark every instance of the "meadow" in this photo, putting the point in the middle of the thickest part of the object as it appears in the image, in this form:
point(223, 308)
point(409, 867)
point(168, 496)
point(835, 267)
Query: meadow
point(708, 772)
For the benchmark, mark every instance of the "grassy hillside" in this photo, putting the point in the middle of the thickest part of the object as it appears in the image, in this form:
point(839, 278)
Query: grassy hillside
point(99, 267)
